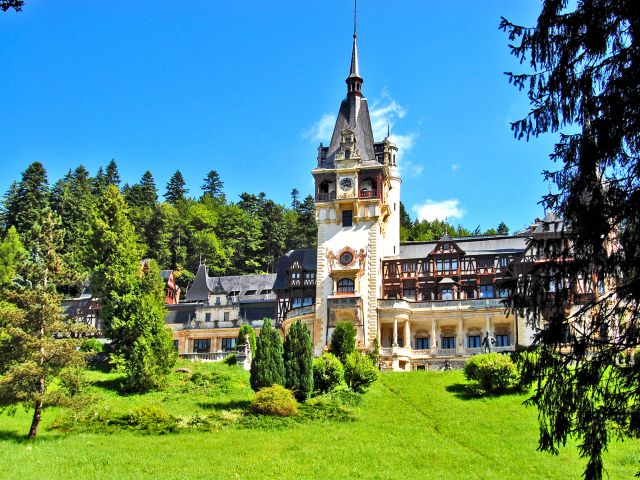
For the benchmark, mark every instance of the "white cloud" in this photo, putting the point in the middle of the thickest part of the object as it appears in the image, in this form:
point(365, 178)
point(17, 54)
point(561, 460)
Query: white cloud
point(322, 129)
point(446, 209)
point(455, 167)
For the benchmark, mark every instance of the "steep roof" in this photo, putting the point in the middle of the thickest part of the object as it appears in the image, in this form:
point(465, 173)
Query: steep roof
point(482, 245)
point(307, 257)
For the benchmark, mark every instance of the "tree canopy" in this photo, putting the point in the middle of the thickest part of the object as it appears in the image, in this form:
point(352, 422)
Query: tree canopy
point(583, 83)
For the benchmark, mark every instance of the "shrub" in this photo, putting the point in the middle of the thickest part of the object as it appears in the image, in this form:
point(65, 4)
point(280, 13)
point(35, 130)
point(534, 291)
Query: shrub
point(244, 331)
point(493, 372)
point(230, 359)
point(328, 373)
point(298, 361)
point(267, 366)
point(275, 400)
point(73, 381)
point(359, 372)
point(151, 419)
point(343, 340)
point(91, 346)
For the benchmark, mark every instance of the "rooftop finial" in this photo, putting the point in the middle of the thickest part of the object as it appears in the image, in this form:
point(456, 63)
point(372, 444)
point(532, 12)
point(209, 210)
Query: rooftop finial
point(354, 81)
point(355, 15)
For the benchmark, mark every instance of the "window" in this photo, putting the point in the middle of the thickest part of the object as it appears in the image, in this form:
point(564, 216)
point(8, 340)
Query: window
point(447, 294)
point(474, 341)
point(422, 343)
point(439, 265)
point(307, 301)
point(347, 218)
point(345, 285)
point(265, 292)
point(486, 291)
point(296, 302)
point(448, 343)
point(408, 267)
point(217, 300)
point(202, 345)
point(454, 264)
point(226, 316)
point(503, 293)
point(445, 246)
point(426, 266)
point(234, 293)
point(409, 289)
point(207, 317)
point(250, 292)
point(504, 261)
point(502, 340)
point(295, 275)
point(228, 344)
point(310, 275)
point(176, 344)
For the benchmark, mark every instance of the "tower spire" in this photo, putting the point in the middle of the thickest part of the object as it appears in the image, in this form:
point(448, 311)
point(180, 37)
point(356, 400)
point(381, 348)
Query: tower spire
point(354, 80)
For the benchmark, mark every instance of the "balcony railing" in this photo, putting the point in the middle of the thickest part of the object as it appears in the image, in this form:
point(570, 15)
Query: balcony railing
point(205, 357)
point(369, 194)
point(439, 352)
point(325, 196)
point(301, 311)
point(468, 304)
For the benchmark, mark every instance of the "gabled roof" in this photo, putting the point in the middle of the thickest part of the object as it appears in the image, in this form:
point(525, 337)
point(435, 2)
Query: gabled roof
point(480, 245)
point(307, 257)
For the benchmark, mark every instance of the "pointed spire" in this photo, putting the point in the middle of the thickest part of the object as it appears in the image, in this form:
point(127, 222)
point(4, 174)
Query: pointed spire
point(354, 80)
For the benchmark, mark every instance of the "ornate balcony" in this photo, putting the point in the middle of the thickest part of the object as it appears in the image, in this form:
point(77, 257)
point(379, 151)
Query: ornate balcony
point(468, 304)
point(325, 196)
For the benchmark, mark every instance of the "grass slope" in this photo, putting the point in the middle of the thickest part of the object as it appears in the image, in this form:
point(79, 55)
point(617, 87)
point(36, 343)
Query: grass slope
point(409, 425)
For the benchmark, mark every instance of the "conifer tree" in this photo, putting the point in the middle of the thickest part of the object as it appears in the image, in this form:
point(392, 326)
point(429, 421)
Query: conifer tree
point(267, 367)
point(112, 176)
point(11, 251)
point(176, 190)
point(343, 340)
point(247, 330)
point(132, 300)
point(298, 361)
point(213, 185)
point(36, 338)
point(99, 183)
point(31, 199)
point(502, 229)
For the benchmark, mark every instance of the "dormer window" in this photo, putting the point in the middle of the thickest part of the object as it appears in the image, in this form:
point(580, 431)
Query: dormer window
point(347, 153)
point(250, 292)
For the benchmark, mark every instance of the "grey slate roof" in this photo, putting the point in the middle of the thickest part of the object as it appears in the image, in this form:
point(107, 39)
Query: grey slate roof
point(166, 274)
point(203, 285)
point(485, 245)
point(353, 115)
point(307, 257)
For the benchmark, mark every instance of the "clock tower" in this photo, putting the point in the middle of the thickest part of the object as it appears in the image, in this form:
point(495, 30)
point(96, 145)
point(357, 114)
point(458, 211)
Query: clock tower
point(357, 199)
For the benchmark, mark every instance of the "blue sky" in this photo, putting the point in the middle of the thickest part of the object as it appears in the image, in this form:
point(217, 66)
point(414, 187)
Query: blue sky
point(250, 88)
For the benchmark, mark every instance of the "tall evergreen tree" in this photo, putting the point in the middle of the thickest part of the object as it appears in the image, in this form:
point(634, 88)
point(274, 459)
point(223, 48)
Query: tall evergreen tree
point(30, 201)
point(213, 185)
point(132, 301)
point(298, 361)
point(112, 175)
point(307, 230)
point(176, 190)
point(99, 183)
point(267, 367)
point(502, 229)
point(11, 252)
point(295, 198)
point(37, 339)
point(7, 205)
point(584, 60)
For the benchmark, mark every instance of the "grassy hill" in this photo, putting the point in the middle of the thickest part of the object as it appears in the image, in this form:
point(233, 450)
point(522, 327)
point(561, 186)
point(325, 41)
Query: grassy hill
point(409, 425)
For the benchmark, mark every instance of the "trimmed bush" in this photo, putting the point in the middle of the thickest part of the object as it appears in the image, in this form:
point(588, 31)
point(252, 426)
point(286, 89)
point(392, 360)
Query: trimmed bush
point(328, 373)
point(244, 331)
point(493, 372)
point(275, 400)
point(91, 346)
point(151, 419)
point(267, 366)
point(359, 372)
point(343, 340)
point(298, 361)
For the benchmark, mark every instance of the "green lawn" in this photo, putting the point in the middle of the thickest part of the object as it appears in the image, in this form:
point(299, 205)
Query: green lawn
point(409, 425)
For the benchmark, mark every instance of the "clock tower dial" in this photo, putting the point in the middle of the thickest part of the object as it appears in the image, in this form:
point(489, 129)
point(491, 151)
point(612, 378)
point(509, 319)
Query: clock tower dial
point(346, 184)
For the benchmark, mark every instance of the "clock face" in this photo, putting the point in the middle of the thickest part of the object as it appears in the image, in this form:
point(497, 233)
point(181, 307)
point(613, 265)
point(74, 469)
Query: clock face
point(346, 183)
point(346, 258)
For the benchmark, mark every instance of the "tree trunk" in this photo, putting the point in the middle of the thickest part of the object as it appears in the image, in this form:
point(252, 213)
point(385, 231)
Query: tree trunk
point(37, 413)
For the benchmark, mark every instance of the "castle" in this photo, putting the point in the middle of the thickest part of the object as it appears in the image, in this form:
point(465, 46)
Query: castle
point(425, 304)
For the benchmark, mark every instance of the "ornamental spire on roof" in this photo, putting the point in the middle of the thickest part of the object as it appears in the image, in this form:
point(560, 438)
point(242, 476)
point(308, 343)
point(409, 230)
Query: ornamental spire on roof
point(354, 80)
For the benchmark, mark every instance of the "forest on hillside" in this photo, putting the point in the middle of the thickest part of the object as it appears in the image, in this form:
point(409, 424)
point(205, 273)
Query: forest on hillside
point(184, 227)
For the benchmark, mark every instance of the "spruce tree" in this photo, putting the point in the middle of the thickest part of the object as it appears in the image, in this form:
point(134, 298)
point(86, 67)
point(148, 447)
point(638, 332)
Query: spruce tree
point(132, 300)
point(112, 176)
point(176, 190)
point(213, 185)
point(343, 340)
point(298, 361)
point(11, 251)
point(267, 367)
point(247, 330)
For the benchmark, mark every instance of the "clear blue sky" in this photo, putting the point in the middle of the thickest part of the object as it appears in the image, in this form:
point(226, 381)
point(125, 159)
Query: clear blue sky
point(247, 88)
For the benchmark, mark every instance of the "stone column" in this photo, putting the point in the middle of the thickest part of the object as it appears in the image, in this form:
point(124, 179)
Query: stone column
point(407, 334)
point(395, 332)
point(487, 324)
point(460, 338)
point(432, 342)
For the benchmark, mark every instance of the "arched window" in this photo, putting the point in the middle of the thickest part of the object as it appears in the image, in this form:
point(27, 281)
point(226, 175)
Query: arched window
point(345, 285)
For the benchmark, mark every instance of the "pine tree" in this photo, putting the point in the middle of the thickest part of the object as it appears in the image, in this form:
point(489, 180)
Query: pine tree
point(99, 183)
point(267, 367)
point(176, 190)
point(298, 361)
point(112, 176)
point(37, 341)
point(11, 252)
point(8, 205)
point(132, 301)
point(31, 199)
point(343, 340)
point(213, 185)
point(502, 229)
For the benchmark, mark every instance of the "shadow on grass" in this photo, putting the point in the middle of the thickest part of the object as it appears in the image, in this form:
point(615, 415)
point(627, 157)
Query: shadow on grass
point(470, 391)
point(21, 438)
point(229, 405)
point(112, 384)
